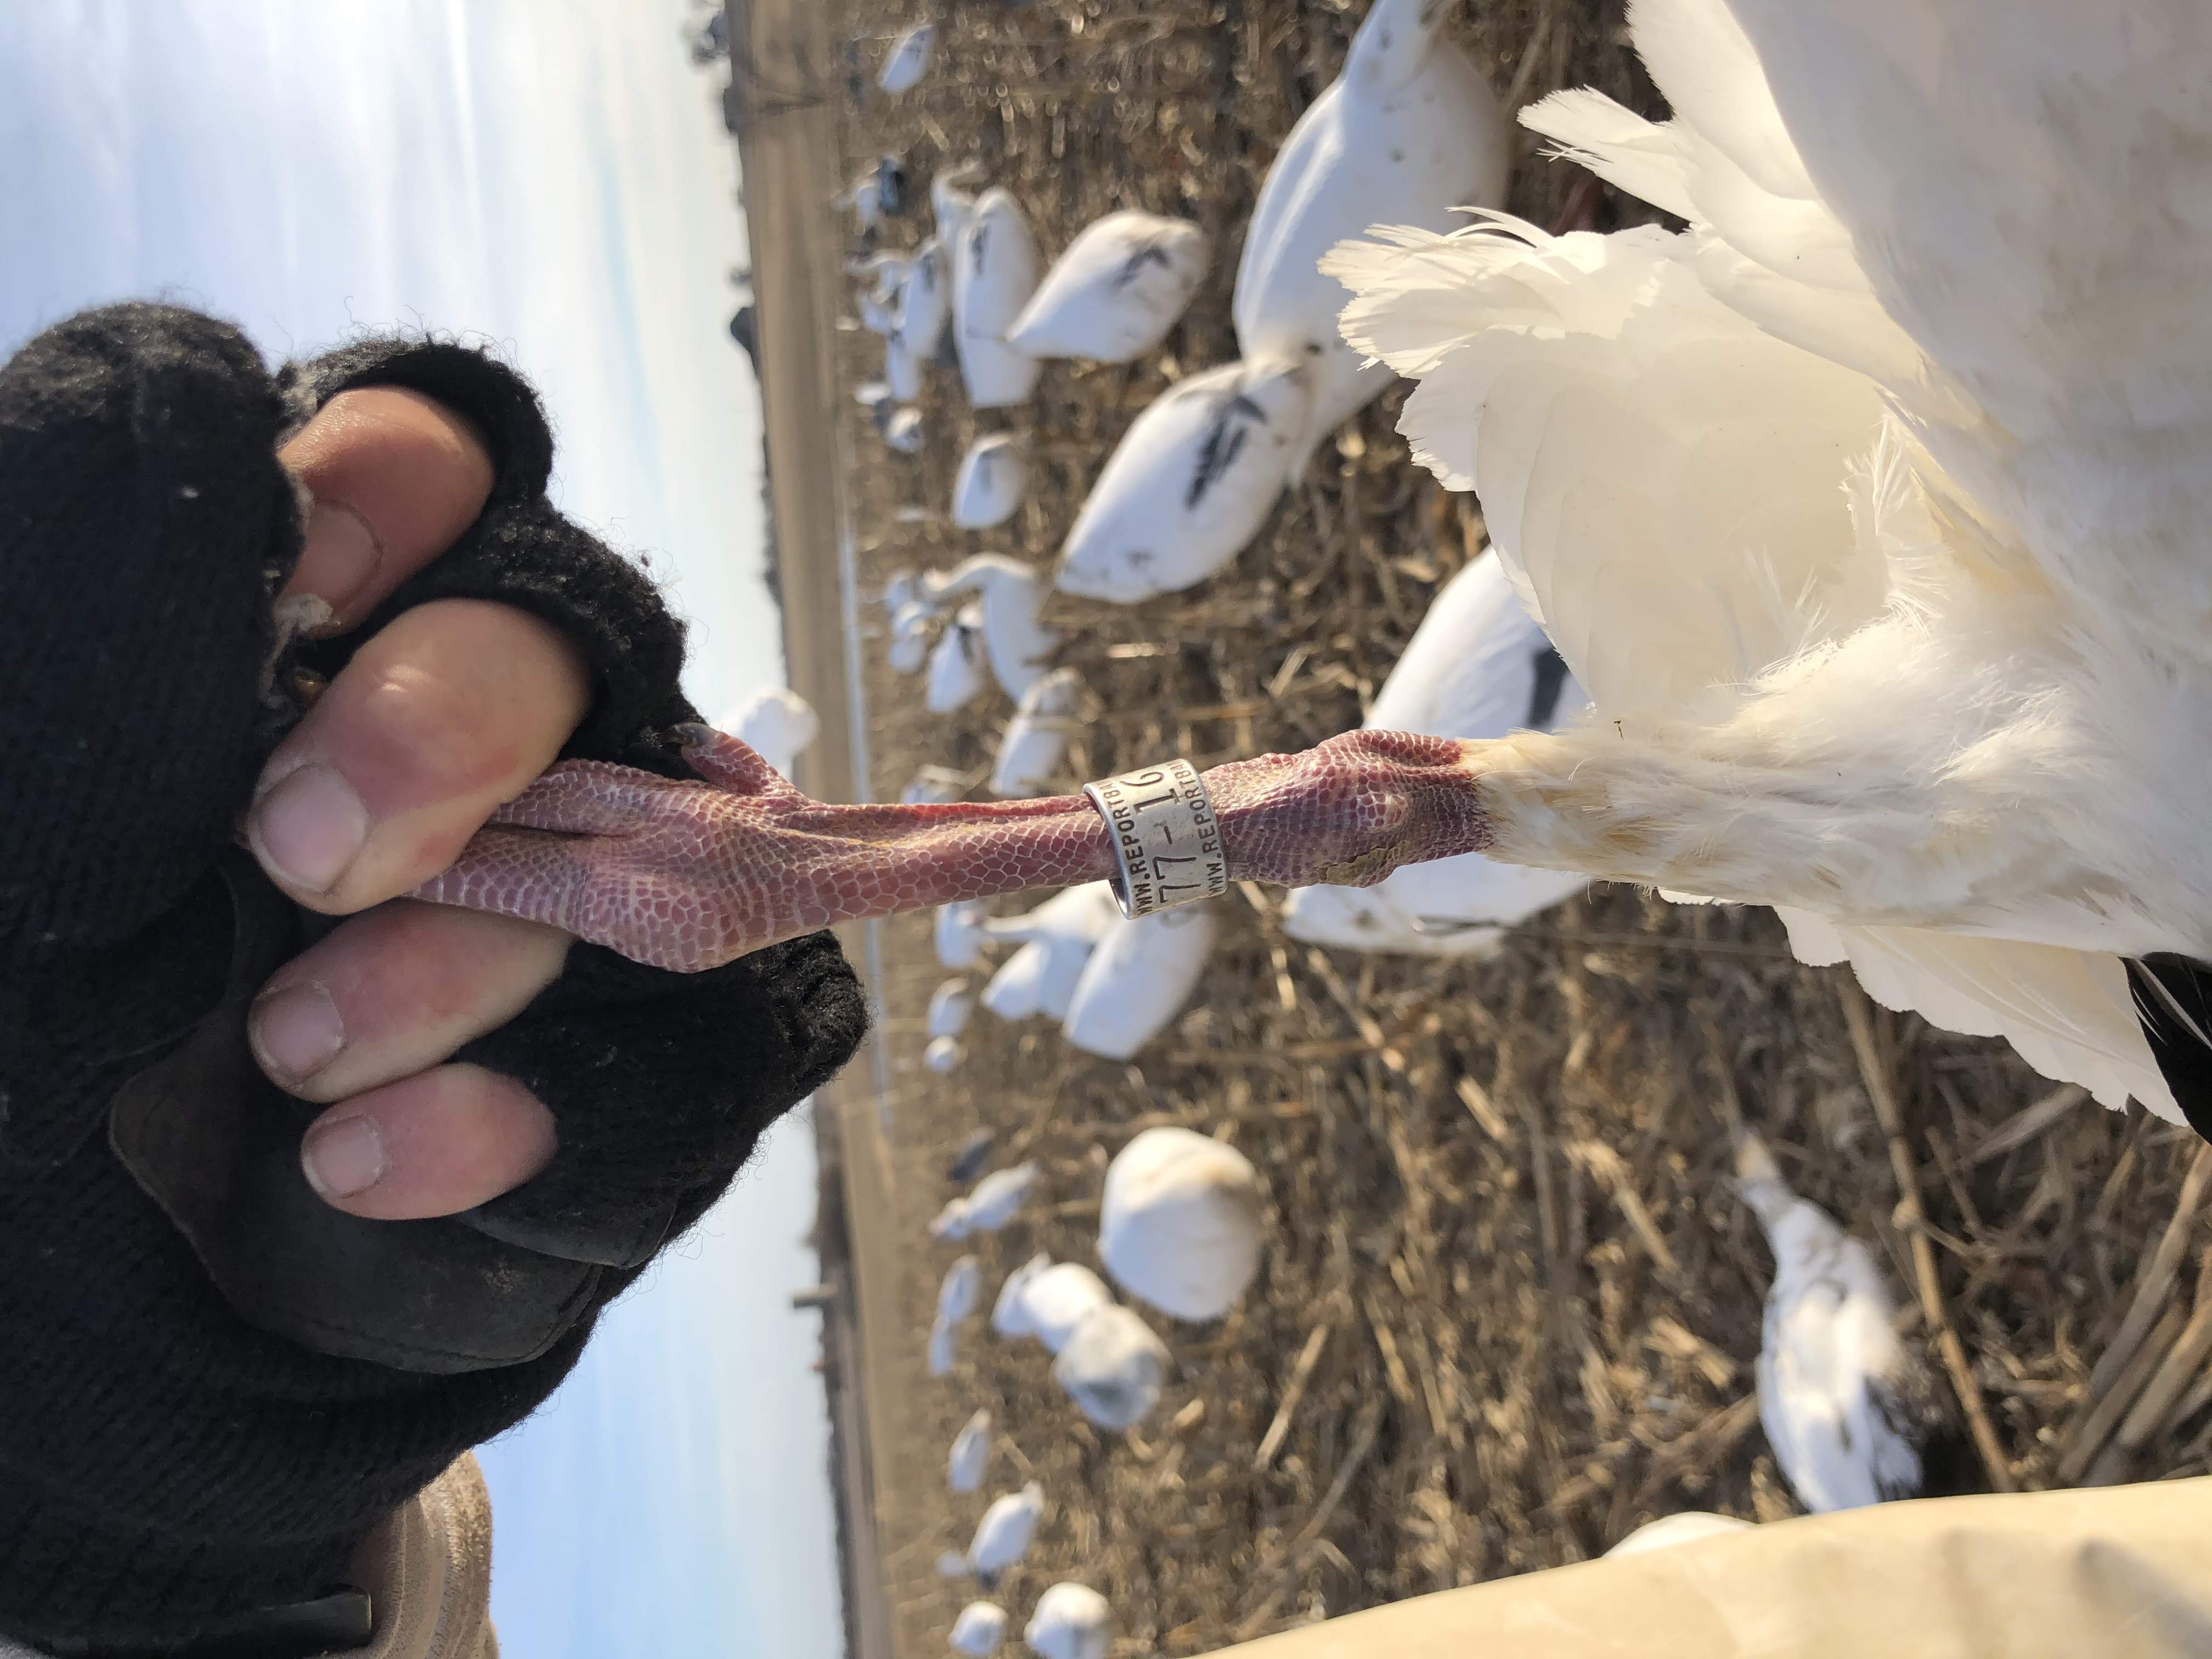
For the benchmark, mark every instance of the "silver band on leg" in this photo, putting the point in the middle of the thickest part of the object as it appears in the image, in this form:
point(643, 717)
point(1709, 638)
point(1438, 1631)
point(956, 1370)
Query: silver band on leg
point(1167, 843)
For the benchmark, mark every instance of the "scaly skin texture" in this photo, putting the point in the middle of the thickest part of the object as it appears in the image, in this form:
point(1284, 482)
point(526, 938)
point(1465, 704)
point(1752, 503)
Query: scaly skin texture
point(689, 875)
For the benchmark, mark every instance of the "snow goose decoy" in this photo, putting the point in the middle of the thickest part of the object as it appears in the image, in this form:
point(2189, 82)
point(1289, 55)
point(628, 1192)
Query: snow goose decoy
point(777, 722)
point(1049, 1301)
point(959, 935)
point(1180, 1226)
point(931, 784)
point(909, 645)
point(1003, 1535)
point(943, 1349)
point(1113, 1368)
point(908, 60)
point(996, 1200)
point(1190, 483)
point(1138, 979)
point(957, 1292)
point(1890, 510)
point(951, 202)
point(1010, 1314)
point(1123, 282)
point(1670, 1530)
point(902, 368)
point(1012, 595)
point(993, 476)
point(978, 1631)
point(1477, 666)
point(943, 1055)
point(902, 431)
point(970, 1455)
point(958, 666)
point(951, 1006)
point(994, 272)
point(1056, 941)
point(1070, 1621)
point(1847, 1406)
point(1035, 739)
point(1409, 134)
point(925, 302)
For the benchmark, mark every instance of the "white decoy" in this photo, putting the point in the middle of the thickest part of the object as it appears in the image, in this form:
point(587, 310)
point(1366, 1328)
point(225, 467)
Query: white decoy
point(1003, 1535)
point(885, 273)
point(1036, 740)
point(959, 935)
point(951, 1006)
point(908, 58)
point(902, 431)
point(970, 1455)
point(951, 202)
point(1056, 941)
point(1886, 601)
point(1070, 1621)
point(993, 476)
point(958, 667)
point(942, 1349)
point(932, 785)
point(943, 1055)
point(1409, 134)
point(1477, 666)
point(1180, 1223)
point(994, 272)
point(952, 1565)
point(864, 197)
point(1113, 1368)
point(995, 1200)
point(878, 317)
point(978, 1631)
point(1190, 483)
point(1059, 1298)
point(1848, 1407)
point(957, 1292)
point(1138, 979)
point(1113, 296)
point(871, 395)
point(1010, 1314)
point(925, 302)
point(910, 644)
point(777, 722)
point(1671, 1530)
point(903, 370)
point(1012, 594)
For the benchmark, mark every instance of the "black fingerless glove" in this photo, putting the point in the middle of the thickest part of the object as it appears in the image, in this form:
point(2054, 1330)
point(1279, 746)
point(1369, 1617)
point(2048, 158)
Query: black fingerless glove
point(214, 1384)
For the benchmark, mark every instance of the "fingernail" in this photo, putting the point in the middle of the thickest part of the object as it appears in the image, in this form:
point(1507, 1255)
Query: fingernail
point(345, 1156)
point(309, 827)
point(338, 553)
point(296, 1031)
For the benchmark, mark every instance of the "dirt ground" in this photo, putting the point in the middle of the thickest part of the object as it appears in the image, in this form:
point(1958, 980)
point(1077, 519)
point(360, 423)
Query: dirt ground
point(1510, 1303)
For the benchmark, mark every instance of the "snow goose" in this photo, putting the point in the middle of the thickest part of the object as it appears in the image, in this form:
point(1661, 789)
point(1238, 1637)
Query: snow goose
point(994, 272)
point(957, 1291)
point(1056, 941)
point(1049, 1300)
point(1180, 1226)
point(1477, 666)
point(958, 668)
point(978, 1631)
point(1670, 1530)
point(1122, 283)
point(1070, 1621)
point(777, 722)
point(1190, 483)
point(1409, 134)
point(993, 476)
point(1867, 510)
point(1035, 739)
point(1848, 1407)
point(1113, 1368)
point(1138, 979)
point(1012, 595)
point(908, 60)
point(1003, 1535)
point(995, 1200)
point(970, 1455)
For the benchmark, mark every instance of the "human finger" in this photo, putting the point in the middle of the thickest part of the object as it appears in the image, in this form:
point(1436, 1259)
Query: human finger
point(451, 709)
point(395, 478)
point(441, 1141)
point(395, 991)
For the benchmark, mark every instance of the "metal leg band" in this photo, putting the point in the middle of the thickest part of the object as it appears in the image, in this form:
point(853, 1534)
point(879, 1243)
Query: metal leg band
point(1167, 843)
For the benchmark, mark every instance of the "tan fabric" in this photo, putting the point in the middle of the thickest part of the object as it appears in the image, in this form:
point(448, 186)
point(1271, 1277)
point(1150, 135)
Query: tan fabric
point(428, 1572)
point(2121, 1573)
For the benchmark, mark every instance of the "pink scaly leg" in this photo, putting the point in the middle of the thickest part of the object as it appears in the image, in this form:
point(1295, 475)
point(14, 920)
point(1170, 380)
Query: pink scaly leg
point(687, 875)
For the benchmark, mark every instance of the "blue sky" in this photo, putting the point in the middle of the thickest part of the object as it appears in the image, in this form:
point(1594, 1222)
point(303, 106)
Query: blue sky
point(553, 178)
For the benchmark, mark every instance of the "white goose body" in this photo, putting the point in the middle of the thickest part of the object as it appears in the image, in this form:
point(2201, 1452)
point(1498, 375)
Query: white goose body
point(1408, 133)
point(978, 1631)
point(1035, 739)
point(1070, 1621)
point(1116, 290)
point(1003, 1535)
point(1871, 511)
point(1113, 1367)
point(992, 477)
point(925, 302)
point(1477, 666)
point(958, 670)
point(1056, 941)
point(1179, 1224)
point(908, 60)
point(778, 722)
point(996, 1200)
point(1847, 1406)
point(1190, 483)
point(1012, 595)
point(1138, 979)
point(970, 1455)
point(994, 272)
